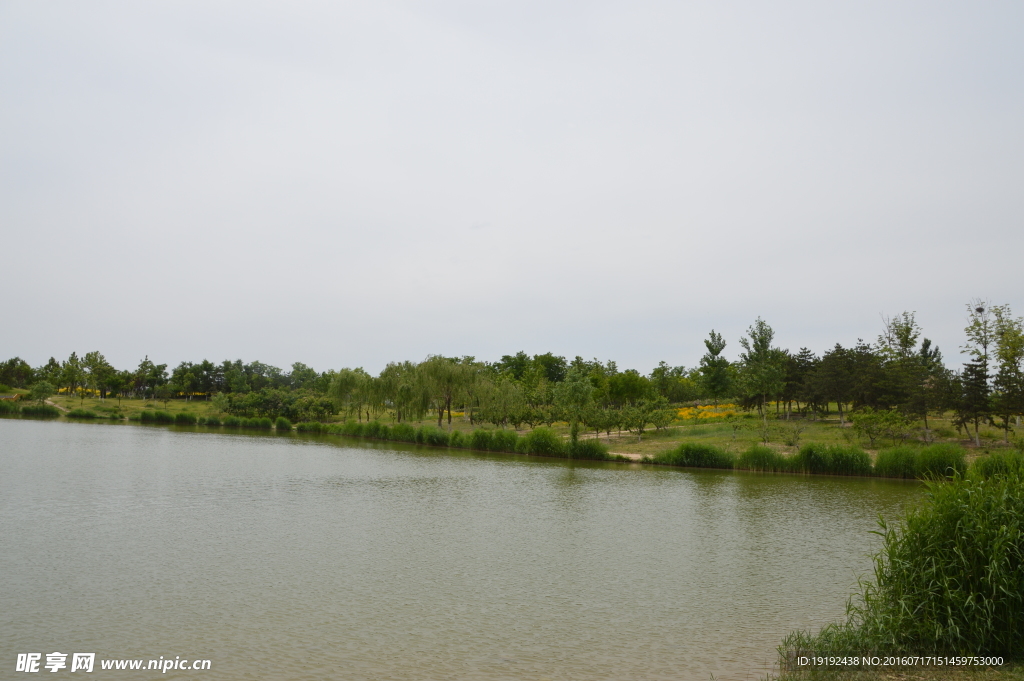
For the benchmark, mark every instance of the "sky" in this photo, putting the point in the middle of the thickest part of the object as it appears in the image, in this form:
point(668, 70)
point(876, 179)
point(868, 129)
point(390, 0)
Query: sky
point(348, 184)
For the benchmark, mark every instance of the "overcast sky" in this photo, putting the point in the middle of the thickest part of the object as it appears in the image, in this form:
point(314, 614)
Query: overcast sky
point(346, 184)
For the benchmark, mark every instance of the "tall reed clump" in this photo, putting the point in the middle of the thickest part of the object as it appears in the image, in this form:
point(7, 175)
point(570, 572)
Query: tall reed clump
point(282, 425)
point(9, 408)
point(897, 462)
point(696, 455)
point(232, 422)
point(764, 459)
point(832, 460)
point(311, 427)
point(82, 414)
point(261, 423)
point(212, 421)
point(948, 579)
point(184, 418)
point(40, 411)
point(941, 460)
point(542, 442)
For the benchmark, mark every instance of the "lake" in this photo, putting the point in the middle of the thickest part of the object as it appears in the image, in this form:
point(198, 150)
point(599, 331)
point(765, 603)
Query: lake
point(280, 557)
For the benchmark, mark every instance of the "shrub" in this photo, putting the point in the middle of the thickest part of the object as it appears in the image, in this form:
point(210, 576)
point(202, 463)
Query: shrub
point(81, 414)
point(232, 422)
point(1000, 463)
point(376, 429)
point(696, 455)
point(310, 427)
point(403, 432)
point(897, 462)
point(455, 439)
point(543, 442)
point(504, 440)
point(40, 411)
point(212, 421)
point(592, 450)
point(163, 417)
point(762, 458)
point(941, 460)
point(9, 407)
point(833, 460)
point(282, 425)
point(352, 429)
point(184, 418)
point(947, 579)
point(429, 435)
point(262, 423)
point(480, 439)
point(146, 416)
point(201, 421)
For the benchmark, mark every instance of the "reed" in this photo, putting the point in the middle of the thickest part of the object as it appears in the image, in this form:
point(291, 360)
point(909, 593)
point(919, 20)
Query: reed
point(184, 418)
point(282, 425)
point(696, 455)
point(764, 459)
point(82, 414)
point(948, 579)
point(9, 408)
point(40, 411)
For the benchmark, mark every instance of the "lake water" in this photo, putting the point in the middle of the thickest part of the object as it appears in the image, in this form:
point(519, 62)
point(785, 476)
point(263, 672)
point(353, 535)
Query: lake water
point(282, 557)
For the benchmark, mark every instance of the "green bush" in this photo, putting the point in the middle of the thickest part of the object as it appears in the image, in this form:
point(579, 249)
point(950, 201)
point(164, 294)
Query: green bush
point(135, 417)
point(429, 435)
point(999, 463)
point(376, 429)
point(40, 411)
point(504, 440)
point(941, 460)
point(480, 439)
point(948, 580)
point(897, 462)
point(542, 442)
point(184, 418)
point(762, 458)
point(832, 460)
point(163, 417)
point(262, 423)
point(146, 416)
point(282, 425)
point(232, 422)
point(310, 427)
point(403, 432)
point(696, 455)
point(455, 439)
point(212, 421)
point(82, 414)
point(592, 450)
point(201, 421)
point(9, 407)
point(352, 429)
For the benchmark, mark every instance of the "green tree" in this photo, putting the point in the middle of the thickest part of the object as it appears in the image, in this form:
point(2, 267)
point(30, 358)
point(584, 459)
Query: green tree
point(975, 400)
point(572, 396)
point(1009, 379)
point(763, 367)
point(714, 368)
point(42, 391)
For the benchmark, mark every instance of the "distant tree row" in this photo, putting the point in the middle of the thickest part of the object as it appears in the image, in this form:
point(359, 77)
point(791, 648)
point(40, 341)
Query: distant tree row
point(901, 372)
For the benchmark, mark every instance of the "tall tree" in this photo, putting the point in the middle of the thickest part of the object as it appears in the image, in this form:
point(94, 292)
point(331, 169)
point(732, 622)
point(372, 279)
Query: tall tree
point(1009, 379)
point(714, 368)
point(976, 396)
point(763, 367)
point(572, 397)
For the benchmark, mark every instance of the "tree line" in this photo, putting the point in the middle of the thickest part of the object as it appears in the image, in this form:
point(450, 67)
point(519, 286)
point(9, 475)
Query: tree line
point(900, 373)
